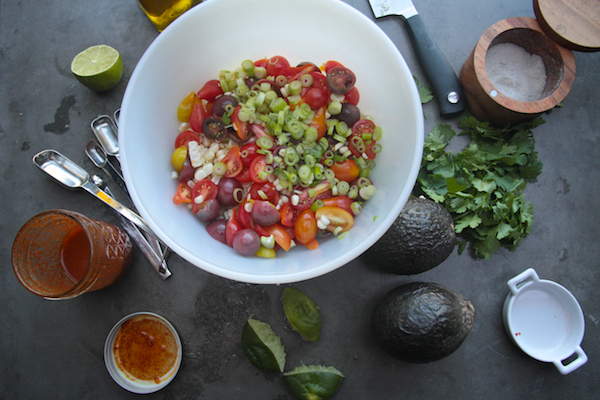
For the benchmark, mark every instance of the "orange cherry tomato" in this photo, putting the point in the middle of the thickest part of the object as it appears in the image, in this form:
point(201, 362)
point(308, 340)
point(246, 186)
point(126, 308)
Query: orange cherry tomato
point(338, 218)
point(288, 215)
point(313, 244)
point(183, 194)
point(281, 236)
point(318, 122)
point(344, 202)
point(346, 170)
point(233, 161)
point(305, 228)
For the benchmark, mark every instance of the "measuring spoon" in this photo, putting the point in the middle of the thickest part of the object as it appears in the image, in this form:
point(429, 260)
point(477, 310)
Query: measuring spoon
point(73, 176)
point(98, 156)
point(106, 132)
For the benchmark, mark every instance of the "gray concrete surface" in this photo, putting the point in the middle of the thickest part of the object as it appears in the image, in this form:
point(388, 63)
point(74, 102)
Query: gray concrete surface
point(54, 350)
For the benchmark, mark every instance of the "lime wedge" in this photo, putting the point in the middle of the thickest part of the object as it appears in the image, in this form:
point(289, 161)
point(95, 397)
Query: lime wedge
point(314, 382)
point(99, 68)
point(302, 314)
point(262, 346)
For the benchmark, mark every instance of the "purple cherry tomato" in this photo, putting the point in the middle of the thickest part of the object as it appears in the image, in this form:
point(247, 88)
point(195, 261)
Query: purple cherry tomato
point(264, 213)
point(216, 229)
point(246, 242)
point(227, 187)
point(210, 211)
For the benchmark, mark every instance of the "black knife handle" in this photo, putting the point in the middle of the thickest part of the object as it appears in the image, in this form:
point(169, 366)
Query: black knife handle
point(439, 73)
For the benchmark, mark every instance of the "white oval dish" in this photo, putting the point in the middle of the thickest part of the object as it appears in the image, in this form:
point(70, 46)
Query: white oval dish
point(216, 35)
point(545, 320)
point(131, 384)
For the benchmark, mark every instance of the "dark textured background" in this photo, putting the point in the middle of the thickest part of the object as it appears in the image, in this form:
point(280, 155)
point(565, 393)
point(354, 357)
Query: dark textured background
point(54, 350)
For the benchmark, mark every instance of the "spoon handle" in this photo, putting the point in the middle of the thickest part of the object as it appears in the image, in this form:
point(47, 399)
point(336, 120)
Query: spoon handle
point(116, 176)
point(155, 259)
point(120, 208)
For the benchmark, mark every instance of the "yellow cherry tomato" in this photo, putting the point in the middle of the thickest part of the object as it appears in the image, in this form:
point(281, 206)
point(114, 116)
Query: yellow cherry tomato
point(185, 108)
point(265, 253)
point(178, 158)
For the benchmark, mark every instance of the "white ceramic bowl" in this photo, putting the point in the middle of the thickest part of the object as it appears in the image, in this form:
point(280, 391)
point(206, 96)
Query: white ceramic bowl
point(218, 35)
point(545, 320)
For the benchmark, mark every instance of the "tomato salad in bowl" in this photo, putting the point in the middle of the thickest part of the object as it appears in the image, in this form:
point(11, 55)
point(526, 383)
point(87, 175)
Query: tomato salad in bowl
point(272, 156)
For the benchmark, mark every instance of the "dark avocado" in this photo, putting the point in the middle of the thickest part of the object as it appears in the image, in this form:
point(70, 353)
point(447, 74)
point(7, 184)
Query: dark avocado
point(421, 238)
point(421, 322)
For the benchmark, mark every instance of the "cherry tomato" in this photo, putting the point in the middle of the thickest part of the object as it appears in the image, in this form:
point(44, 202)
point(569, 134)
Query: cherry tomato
point(233, 161)
point(185, 137)
point(281, 236)
point(178, 158)
point(320, 81)
point(214, 128)
point(216, 229)
point(233, 226)
point(305, 228)
point(268, 189)
point(241, 127)
point(183, 194)
point(358, 129)
point(315, 98)
point(288, 214)
point(340, 79)
point(353, 96)
point(346, 170)
point(318, 121)
point(185, 108)
point(210, 90)
point(276, 64)
point(257, 166)
point(313, 244)
point(244, 217)
point(330, 64)
point(197, 116)
point(261, 63)
point(205, 188)
point(306, 200)
point(343, 202)
point(294, 73)
point(244, 176)
point(248, 152)
point(264, 213)
point(261, 231)
point(246, 242)
point(338, 218)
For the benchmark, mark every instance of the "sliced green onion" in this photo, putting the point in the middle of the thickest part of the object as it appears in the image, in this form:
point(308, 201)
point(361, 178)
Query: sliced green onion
point(334, 108)
point(277, 104)
point(353, 192)
point(311, 135)
point(293, 178)
point(290, 156)
point(316, 205)
point(238, 195)
point(366, 173)
point(363, 182)
point(377, 133)
point(295, 87)
point(339, 138)
point(356, 208)
point(309, 160)
point(342, 128)
point(281, 80)
point(367, 192)
point(219, 169)
point(262, 175)
point(304, 172)
point(265, 142)
point(328, 162)
point(269, 169)
point(343, 235)
point(262, 194)
point(329, 174)
point(343, 187)
point(307, 80)
point(260, 72)
point(376, 148)
point(265, 87)
point(248, 67)
point(358, 144)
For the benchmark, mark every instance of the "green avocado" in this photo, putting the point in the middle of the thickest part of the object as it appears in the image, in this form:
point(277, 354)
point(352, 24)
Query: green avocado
point(421, 238)
point(421, 322)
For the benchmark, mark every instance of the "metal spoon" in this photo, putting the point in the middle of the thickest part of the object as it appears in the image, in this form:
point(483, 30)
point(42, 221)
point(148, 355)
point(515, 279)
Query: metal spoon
point(98, 156)
point(106, 132)
point(156, 260)
point(73, 176)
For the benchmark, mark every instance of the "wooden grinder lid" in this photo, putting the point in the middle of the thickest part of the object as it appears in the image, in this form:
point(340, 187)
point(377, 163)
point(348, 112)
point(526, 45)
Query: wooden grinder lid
point(574, 24)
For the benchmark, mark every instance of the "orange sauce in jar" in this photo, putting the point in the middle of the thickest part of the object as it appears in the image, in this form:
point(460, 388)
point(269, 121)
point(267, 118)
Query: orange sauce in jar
point(145, 349)
point(75, 253)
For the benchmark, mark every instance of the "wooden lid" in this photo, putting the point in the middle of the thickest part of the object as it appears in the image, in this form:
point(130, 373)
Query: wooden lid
point(574, 24)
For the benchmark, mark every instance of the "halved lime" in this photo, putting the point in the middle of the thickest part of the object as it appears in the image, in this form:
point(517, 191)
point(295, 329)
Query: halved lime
point(314, 382)
point(99, 67)
point(302, 314)
point(262, 346)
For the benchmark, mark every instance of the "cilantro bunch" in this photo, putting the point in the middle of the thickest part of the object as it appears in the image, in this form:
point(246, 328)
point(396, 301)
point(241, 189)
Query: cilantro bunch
point(482, 185)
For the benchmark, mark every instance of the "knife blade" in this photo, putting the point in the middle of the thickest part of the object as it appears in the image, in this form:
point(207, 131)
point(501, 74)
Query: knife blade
point(442, 78)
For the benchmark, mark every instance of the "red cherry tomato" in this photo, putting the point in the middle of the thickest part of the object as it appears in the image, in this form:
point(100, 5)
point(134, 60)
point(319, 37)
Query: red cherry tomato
point(305, 228)
point(233, 161)
point(185, 137)
point(257, 166)
point(353, 96)
point(330, 64)
point(320, 81)
point(183, 194)
point(294, 73)
point(306, 200)
point(281, 236)
point(241, 127)
point(210, 90)
point(338, 218)
point(315, 98)
point(261, 231)
point(288, 214)
point(248, 152)
point(346, 170)
point(244, 176)
point(358, 129)
point(343, 202)
point(233, 226)
point(205, 188)
point(268, 189)
point(261, 63)
point(244, 217)
point(197, 116)
point(276, 64)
